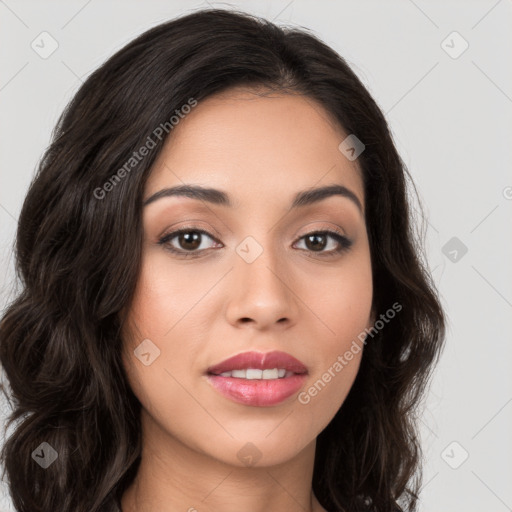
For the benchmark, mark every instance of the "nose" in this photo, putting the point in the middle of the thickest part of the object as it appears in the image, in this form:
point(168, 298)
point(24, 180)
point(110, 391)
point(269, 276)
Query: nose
point(261, 293)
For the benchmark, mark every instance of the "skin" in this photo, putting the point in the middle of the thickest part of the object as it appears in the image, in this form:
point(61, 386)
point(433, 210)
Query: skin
point(261, 150)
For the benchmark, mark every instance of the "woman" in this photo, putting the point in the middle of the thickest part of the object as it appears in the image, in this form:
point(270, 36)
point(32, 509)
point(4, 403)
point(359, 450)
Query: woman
point(224, 303)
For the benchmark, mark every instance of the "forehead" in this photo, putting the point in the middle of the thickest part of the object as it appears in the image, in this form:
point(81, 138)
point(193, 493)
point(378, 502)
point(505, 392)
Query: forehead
point(255, 145)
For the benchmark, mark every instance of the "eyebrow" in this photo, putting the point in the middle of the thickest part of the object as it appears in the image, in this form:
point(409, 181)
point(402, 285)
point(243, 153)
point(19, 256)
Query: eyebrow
point(218, 197)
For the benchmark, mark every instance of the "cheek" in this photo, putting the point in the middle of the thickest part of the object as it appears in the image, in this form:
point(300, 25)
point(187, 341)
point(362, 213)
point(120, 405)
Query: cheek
point(166, 294)
point(342, 302)
point(167, 309)
point(341, 298)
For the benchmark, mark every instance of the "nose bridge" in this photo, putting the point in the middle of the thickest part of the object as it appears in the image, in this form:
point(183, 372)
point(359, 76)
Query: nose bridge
point(259, 263)
point(261, 289)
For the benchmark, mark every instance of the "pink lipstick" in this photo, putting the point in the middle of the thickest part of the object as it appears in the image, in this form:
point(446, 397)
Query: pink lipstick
point(258, 379)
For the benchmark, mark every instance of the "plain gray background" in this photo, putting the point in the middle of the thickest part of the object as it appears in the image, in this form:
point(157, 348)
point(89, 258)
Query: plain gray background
point(451, 115)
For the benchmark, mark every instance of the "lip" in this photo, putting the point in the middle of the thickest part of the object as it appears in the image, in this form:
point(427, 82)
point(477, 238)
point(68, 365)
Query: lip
point(261, 361)
point(258, 392)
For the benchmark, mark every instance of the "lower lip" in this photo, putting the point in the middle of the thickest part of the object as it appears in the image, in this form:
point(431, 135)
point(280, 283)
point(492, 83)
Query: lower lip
point(257, 392)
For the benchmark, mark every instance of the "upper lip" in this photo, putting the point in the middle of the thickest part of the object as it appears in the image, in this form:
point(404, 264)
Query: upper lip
point(259, 360)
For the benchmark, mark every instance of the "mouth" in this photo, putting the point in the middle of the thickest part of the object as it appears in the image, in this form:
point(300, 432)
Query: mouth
point(257, 373)
point(258, 379)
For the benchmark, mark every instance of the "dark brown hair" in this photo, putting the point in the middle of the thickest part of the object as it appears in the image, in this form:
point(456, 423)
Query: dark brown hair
point(78, 259)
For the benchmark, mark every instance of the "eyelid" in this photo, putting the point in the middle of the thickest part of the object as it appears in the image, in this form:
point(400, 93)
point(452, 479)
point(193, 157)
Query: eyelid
point(190, 225)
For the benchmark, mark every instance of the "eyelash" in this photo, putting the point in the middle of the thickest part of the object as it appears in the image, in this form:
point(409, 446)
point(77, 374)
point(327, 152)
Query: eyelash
point(343, 241)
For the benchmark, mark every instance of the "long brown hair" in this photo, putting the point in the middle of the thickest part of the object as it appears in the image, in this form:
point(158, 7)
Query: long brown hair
point(78, 253)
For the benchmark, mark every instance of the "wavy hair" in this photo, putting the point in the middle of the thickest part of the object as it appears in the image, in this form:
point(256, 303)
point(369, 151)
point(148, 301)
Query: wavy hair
point(78, 255)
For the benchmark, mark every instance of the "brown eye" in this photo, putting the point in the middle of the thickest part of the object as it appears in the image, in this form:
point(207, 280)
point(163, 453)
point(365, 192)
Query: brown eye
point(187, 241)
point(318, 242)
point(190, 240)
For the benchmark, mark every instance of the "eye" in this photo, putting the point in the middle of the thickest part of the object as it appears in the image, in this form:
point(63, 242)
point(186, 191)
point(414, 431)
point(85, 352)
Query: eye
point(190, 241)
point(318, 241)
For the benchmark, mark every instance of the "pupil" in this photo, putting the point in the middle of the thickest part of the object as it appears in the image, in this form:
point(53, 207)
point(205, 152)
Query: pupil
point(187, 238)
point(315, 242)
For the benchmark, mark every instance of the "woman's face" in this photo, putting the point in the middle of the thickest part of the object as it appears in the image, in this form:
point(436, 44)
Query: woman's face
point(256, 279)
